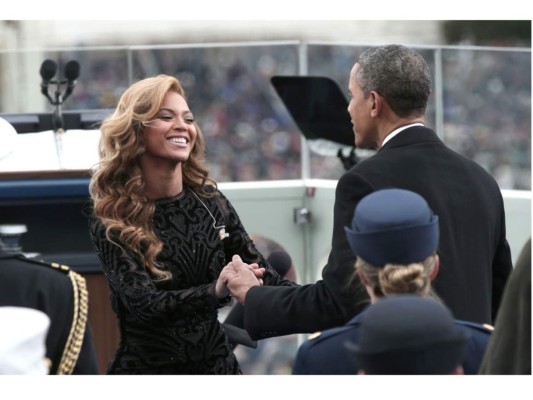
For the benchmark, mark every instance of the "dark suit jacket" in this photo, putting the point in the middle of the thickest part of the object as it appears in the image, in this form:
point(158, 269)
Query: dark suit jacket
point(474, 253)
point(326, 353)
point(34, 284)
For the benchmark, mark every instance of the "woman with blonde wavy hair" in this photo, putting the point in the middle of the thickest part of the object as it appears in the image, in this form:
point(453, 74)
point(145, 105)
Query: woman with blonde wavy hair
point(395, 236)
point(163, 233)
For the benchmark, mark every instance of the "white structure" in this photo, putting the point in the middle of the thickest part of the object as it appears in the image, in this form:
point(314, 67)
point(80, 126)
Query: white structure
point(64, 33)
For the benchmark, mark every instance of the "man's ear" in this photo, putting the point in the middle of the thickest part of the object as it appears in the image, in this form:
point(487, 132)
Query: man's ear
point(435, 270)
point(377, 104)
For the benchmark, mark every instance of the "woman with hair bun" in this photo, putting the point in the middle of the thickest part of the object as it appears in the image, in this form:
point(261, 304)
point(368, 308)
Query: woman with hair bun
point(395, 236)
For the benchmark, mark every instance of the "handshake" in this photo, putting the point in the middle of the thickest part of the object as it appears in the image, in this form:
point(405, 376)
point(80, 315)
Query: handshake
point(237, 278)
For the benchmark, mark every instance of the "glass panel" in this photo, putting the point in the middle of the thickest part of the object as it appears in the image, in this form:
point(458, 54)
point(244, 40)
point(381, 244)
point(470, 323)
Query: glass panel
point(102, 74)
point(486, 100)
point(21, 91)
point(103, 78)
point(336, 63)
point(487, 111)
point(249, 134)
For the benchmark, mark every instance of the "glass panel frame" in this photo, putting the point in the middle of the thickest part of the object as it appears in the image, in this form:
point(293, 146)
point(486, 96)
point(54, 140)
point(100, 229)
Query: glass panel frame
point(480, 104)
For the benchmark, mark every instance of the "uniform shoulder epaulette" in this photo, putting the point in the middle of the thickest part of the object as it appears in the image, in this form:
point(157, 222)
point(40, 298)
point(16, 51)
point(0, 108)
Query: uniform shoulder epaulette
point(59, 267)
point(477, 326)
point(328, 333)
point(314, 335)
point(488, 327)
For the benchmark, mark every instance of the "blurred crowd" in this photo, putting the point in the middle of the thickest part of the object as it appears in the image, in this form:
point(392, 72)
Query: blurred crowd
point(251, 136)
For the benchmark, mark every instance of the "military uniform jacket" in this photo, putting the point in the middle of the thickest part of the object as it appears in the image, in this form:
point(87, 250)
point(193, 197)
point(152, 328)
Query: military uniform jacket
point(475, 260)
point(326, 353)
point(61, 294)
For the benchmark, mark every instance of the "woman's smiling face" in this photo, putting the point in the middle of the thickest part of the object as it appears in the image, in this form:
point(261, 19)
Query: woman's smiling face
point(172, 133)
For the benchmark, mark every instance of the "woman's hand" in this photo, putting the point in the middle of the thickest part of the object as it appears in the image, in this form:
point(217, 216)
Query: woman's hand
point(238, 277)
point(250, 274)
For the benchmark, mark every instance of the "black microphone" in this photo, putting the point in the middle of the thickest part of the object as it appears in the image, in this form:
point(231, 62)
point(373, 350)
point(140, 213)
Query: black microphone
point(347, 161)
point(72, 71)
point(47, 71)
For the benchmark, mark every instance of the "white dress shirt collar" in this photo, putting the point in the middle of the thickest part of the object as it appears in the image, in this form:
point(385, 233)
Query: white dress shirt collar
point(398, 130)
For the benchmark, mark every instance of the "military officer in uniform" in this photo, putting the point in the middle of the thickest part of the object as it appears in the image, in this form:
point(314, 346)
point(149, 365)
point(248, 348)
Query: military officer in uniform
point(395, 236)
point(61, 294)
point(409, 335)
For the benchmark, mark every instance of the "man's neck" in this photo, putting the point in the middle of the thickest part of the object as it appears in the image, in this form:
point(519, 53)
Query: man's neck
point(399, 128)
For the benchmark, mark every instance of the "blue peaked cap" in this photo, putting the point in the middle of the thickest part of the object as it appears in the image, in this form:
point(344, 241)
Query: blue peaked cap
point(393, 226)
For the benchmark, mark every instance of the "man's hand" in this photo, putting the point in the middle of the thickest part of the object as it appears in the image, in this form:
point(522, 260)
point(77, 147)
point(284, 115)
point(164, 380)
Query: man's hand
point(239, 277)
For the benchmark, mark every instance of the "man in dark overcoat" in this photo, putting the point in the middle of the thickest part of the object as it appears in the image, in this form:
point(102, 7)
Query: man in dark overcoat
point(389, 89)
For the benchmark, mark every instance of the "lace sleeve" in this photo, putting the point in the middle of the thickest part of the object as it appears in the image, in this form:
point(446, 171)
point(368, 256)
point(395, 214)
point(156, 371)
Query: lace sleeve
point(239, 242)
point(133, 286)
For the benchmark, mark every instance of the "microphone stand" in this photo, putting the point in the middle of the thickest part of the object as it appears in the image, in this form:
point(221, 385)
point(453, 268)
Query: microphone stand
point(57, 119)
point(58, 124)
point(48, 70)
point(347, 161)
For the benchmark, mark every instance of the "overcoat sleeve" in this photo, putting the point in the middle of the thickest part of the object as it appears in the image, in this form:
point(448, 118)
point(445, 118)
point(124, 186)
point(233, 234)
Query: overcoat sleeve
point(331, 301)
point(501, 266)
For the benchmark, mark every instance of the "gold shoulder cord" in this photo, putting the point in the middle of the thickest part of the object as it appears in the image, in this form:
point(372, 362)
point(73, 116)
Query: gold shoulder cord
point(79, 323)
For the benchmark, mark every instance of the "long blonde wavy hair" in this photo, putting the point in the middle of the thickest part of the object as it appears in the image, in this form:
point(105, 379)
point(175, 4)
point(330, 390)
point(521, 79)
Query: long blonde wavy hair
point(117, 185)
point(394, 279)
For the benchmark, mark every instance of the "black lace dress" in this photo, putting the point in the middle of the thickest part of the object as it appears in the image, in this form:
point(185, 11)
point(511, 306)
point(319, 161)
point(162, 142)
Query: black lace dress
point(171, 327)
